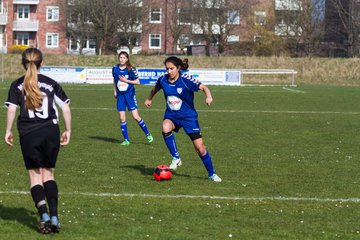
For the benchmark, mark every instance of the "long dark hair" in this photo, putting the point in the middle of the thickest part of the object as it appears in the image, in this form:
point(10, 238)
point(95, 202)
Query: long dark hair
point(31, 60)
point(183, 64)
point(128, 64)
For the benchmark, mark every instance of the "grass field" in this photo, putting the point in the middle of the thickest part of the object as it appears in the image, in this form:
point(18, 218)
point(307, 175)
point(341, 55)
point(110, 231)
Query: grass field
point(288, 157)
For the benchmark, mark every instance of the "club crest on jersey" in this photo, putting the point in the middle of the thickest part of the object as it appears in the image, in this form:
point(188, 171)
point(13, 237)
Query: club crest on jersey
point(179, 90)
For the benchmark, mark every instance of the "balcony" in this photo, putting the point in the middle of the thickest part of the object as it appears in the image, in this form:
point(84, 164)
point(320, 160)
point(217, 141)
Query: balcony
point(26, 25)
point(29, 2)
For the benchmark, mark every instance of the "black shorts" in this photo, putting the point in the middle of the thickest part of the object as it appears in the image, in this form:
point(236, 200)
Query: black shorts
point(40, 148)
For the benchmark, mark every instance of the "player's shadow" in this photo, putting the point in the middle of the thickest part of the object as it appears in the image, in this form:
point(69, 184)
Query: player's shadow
point(105, 139)
point(20, 215)
point(149, 171)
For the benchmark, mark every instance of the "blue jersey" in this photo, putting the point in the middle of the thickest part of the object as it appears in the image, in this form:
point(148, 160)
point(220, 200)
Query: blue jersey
point(131, 74)
point(179, 96)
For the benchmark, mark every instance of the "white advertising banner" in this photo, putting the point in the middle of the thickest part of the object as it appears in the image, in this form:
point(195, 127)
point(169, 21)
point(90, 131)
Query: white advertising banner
point(99, 75)
point(102, 75)
point(65, 74)
point(216, 77)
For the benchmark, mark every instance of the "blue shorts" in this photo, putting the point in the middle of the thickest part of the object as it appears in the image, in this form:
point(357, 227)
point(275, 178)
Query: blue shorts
point(190, 125)
point(126, 100)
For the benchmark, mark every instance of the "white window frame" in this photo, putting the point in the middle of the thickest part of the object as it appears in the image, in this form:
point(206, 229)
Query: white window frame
point(23, 9)
point(154, 36)
point(20, 36)
point(52, 14)
point(152, 13)
point(233, 38)
point(233, 17)
point(260, 15)
point(54, 38)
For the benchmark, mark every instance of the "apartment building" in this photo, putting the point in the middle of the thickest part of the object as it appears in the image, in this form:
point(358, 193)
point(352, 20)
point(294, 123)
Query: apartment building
point(37, 23)
point(165, 26)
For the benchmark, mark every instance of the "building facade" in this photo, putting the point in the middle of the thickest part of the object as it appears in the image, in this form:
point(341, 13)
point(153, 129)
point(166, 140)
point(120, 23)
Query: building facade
point(164, 26)
point(36, 23)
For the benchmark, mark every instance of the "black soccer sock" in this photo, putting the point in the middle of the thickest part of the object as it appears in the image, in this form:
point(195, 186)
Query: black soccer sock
point(38, 196)
point(51, 192)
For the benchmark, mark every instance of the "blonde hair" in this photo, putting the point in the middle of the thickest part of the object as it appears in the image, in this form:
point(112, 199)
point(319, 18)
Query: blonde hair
point(31, 60)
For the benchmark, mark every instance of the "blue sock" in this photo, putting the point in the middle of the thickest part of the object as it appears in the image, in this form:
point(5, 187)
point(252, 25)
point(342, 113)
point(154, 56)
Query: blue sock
point(206, 159)
point(124, 131)
point(143, 126)
point(171, 144)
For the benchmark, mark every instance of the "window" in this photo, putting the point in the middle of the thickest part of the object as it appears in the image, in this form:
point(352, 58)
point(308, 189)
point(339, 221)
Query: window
point(184, 17)
point(23, 12)
point(183, 41)
point(52, 40)
point(233, 38)
point(52, 14)
point(233, 18)
point(73, 44)
point(155, 15)
point(260, 18)
point(155, 41)
point(22, 38)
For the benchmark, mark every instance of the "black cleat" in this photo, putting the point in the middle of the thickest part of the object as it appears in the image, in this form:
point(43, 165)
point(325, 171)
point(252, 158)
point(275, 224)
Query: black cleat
point(55, 224)
point(44, 226)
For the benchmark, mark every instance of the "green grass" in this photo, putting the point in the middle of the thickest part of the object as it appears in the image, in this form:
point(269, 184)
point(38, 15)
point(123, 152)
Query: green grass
point(289, 160)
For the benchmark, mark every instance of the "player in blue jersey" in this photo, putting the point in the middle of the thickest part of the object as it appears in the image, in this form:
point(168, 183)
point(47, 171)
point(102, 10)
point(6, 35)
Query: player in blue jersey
point(39, 133)
point(125, 77)
point(180, 111)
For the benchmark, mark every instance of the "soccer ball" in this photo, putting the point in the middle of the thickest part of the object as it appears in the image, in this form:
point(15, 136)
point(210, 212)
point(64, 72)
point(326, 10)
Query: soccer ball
point(162, 173)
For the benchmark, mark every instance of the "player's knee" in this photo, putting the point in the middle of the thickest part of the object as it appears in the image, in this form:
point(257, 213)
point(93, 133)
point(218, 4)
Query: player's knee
point(201, 150)
point(166, 134)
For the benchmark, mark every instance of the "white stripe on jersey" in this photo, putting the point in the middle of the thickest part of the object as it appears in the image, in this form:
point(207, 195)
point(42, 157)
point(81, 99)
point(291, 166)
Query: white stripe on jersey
point(191, 78)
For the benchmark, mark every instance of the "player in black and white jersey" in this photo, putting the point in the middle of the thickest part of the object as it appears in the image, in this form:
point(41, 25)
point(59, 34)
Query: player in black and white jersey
point(39, 133)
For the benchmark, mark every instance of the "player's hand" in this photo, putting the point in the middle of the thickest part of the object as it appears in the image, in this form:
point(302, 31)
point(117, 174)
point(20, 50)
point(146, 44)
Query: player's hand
point(209, 100)
point(9, 138)
point(122, 78)
point(65, 138)
point(148, 102)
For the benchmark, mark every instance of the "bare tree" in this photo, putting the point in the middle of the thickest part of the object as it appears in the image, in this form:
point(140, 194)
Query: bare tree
point(214, 21)
point(301, 22)
point(103, 15)
point(179, 23)
point(129, 24)
point(261, 30)
point(347, 13)
point(79, 26)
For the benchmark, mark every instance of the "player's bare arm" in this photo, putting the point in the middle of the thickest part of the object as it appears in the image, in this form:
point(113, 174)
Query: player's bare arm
point(11, 112)
point(207, 92)
point(153, 92)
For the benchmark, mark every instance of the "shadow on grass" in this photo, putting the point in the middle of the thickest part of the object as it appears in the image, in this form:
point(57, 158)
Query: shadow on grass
point(148, 171)
point(20, 215)
point(105, 139)
point(114, 140)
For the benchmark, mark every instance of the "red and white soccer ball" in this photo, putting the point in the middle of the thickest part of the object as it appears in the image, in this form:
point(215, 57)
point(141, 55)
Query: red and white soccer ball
point(162, 173)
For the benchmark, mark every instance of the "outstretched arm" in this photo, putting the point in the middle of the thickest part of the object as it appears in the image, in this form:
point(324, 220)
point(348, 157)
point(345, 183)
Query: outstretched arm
point(207, 92)
point(153, 91)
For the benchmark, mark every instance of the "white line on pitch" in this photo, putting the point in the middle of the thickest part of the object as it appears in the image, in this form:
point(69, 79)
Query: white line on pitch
point(293, 90)
point(295, 199)
point(231, 111)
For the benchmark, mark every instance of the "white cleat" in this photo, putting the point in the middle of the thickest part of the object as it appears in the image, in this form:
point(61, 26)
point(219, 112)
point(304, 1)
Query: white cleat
point(215, 178)
point(175, 163)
